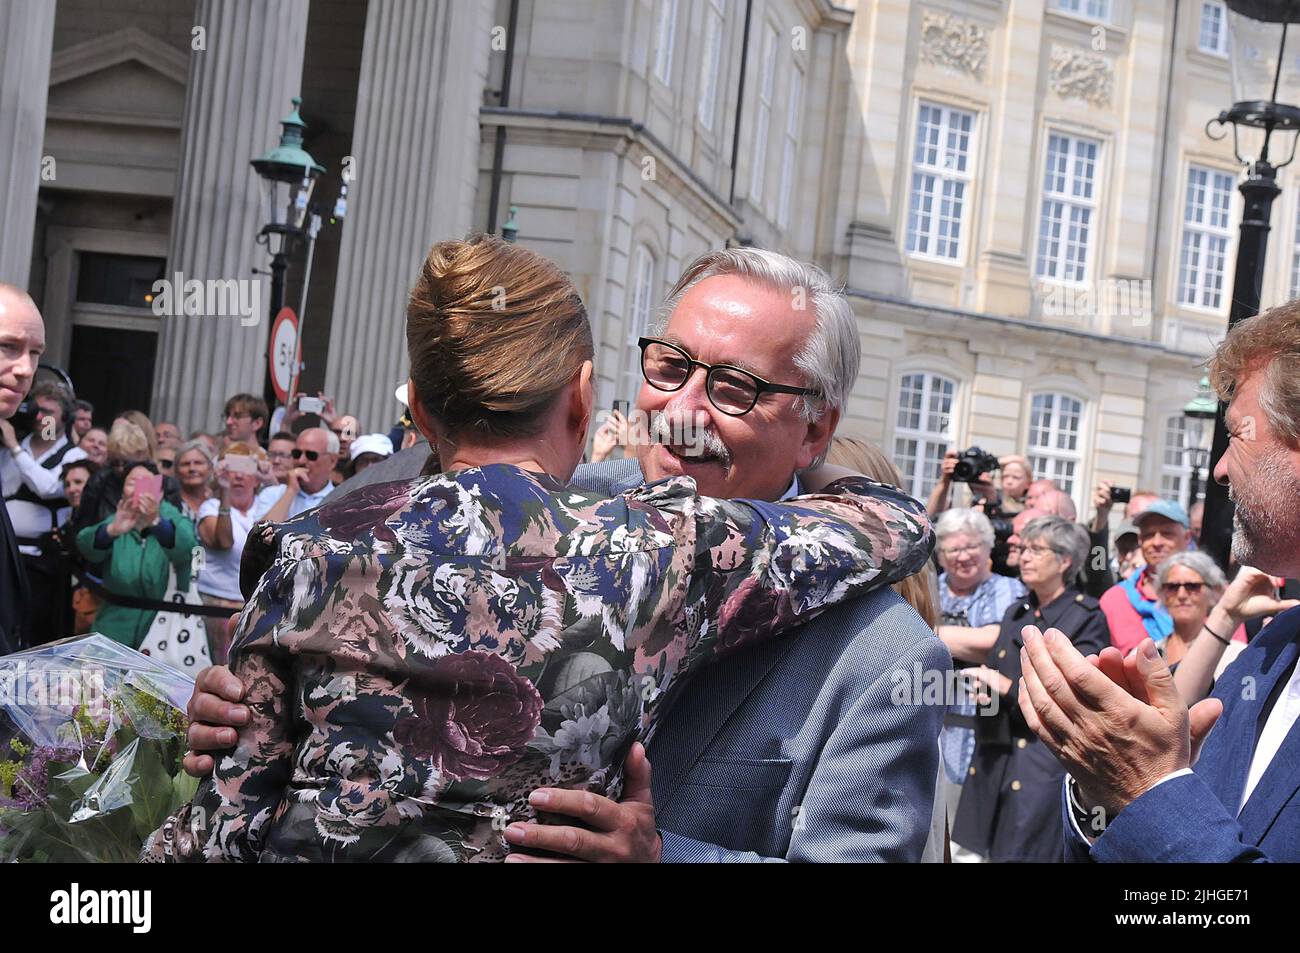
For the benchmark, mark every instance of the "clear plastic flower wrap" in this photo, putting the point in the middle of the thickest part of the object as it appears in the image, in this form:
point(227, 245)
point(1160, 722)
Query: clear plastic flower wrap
point(91, 739)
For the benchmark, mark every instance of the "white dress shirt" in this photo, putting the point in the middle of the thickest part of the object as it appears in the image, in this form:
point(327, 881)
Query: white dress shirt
point(1280, 720)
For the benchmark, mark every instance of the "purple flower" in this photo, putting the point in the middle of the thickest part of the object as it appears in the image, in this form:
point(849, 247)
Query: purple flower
point(476, 719)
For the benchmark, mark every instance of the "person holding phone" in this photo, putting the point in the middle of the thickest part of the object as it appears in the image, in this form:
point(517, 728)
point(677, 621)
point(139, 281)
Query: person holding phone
point(224, 522)
point(131, 550)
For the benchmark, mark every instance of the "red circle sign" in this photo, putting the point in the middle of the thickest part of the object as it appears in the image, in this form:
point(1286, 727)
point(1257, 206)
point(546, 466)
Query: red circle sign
point(283, 352)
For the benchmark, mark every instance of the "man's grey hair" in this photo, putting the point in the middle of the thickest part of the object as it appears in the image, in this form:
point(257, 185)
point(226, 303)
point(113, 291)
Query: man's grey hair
point(829, 360)
point(1067, 539)
point(331, 439)
point(967, 521)
point(1197, 562)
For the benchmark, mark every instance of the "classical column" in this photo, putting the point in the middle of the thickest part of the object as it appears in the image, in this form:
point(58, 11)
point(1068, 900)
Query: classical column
point(26, 39)
point(415, 162)
point(239, 88)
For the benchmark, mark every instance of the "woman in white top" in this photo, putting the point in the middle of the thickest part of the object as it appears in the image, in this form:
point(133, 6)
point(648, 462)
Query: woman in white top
point(224, 522)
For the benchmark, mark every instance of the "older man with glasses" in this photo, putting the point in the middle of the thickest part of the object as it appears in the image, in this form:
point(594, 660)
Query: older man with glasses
point(314, 456)
point(801, 751)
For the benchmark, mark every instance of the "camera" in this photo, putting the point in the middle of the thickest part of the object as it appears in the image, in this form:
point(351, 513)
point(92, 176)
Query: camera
point(1120, 494)
point(971, 463)
point(24, 419)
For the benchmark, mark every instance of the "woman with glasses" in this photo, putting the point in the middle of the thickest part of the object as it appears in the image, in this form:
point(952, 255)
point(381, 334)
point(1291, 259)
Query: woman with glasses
point(1209, 615)
point(972, 601)
point(423, 655)
point(1010, 808)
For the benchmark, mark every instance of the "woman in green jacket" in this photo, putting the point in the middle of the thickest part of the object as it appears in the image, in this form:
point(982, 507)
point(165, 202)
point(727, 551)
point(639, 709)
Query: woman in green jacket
point(131, 550)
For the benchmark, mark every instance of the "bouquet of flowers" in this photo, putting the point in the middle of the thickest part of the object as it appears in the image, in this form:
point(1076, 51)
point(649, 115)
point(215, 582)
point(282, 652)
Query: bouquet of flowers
point(91, 739)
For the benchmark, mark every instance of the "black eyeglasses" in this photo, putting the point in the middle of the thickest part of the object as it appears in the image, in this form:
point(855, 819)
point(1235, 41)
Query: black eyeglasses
point(733, 390)
point(311, 455)
point(1193, 588)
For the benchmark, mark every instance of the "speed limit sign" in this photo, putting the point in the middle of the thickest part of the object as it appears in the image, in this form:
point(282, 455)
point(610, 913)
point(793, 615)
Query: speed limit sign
point(283, 353)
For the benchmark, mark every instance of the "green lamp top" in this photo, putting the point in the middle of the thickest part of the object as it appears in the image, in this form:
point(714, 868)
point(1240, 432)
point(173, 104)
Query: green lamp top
point(1204, 406)
point(288, 159)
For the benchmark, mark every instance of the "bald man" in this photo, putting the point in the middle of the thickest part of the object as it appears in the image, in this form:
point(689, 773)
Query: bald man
point(22, 342)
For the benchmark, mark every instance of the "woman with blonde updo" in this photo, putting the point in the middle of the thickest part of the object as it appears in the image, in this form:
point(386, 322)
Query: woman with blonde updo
point(422, 655)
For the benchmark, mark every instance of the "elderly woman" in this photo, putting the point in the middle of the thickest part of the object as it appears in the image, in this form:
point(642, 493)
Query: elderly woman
point(132, 550)
point(425, 654)
point(223, 525)
point(972, 601)
point(1208, 616)
point(194, 468)
point(1011, 806)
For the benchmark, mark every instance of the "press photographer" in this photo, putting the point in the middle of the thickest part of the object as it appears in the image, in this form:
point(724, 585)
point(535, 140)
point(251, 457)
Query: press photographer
point(974, 467)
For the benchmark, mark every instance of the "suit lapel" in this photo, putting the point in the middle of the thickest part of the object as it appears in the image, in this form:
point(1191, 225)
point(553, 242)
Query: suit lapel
point(712, 698)
point(1281, 778)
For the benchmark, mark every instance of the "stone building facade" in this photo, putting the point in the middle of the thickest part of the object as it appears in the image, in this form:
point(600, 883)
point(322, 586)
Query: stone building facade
point(1019, 195)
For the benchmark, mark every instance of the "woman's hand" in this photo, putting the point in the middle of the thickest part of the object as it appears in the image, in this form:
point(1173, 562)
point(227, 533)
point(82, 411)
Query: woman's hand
point(1251, 595)
point(223, 477)
point(124, 519)
point(983, 681)
point(147, 508)
point(608, 436)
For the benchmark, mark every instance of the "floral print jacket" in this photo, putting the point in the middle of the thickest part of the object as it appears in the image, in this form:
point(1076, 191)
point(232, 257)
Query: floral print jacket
point(422, 655)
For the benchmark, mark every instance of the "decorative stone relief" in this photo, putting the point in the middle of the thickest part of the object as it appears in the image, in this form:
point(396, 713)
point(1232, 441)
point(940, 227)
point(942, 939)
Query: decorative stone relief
point(1079, 74)
point(952, 42)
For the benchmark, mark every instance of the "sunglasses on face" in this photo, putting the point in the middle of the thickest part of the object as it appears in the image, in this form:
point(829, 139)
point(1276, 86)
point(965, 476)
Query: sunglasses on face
point(1193, 588)
point(165, 464)
point(311, 455)
point(732, 390)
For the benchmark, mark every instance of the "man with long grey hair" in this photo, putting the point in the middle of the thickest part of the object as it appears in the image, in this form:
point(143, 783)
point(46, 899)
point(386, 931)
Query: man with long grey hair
point(802, 751)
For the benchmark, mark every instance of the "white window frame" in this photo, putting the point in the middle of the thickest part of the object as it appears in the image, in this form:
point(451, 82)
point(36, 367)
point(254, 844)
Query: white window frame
point(948, 181)
point(1048, 460)
point(790, 146)
point(1077, 204)
point(711, 63)
point(1206, 238)
point(1217, 44)
point(666, 33)
point(763, 118)
point(933, 384)
point(641, 285)
point(1099, 10)
point(1178, 470)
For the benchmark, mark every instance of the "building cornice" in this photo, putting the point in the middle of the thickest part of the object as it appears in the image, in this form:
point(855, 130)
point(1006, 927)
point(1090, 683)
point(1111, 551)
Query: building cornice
point(622, 127)
point(1108, 342)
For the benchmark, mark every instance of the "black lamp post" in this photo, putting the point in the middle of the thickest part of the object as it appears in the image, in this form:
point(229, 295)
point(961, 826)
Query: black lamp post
point(1198, 410)
point(1258, 34)
point(289, 175)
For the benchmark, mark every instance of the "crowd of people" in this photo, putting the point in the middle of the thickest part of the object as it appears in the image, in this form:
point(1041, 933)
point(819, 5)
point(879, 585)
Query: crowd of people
point(451, 629)
point(110, 519)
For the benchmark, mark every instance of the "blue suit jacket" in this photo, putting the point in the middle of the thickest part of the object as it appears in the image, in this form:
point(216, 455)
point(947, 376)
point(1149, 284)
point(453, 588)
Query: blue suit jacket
point(796, 749)
point(799, 749)
point(1194, 818)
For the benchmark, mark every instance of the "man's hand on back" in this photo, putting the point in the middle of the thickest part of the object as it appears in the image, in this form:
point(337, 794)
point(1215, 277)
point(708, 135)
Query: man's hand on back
point(214, 716)
point(615, 832)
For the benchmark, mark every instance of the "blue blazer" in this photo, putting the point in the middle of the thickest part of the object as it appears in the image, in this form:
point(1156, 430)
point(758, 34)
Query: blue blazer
point(1194, 818)
point(814, 747)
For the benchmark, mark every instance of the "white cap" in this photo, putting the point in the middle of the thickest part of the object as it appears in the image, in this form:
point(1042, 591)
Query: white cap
point(372, 443)
point(400, 394)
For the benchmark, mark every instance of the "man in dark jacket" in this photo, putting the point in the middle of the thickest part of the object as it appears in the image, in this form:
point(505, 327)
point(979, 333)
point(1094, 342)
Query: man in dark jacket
point(22, 341)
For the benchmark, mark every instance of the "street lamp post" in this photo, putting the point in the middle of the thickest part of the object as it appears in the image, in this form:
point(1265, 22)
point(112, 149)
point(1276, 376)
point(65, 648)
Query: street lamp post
point(1201, 408)
point(289, 175)
point(1257, 28)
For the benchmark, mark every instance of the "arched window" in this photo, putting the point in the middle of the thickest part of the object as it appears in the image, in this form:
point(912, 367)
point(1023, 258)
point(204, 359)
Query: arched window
point(1055, 439)
point(641, 299)
point(923, 429)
